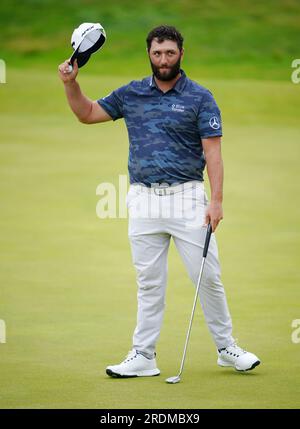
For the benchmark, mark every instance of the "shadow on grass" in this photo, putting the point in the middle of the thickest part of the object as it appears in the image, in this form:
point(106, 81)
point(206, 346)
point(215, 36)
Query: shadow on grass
point(231, 372)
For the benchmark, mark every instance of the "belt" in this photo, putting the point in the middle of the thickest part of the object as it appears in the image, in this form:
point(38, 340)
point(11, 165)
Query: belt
point(165, 189)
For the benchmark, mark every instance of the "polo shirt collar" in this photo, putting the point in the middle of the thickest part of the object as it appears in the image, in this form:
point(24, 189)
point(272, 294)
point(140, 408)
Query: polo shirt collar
point(179, 85)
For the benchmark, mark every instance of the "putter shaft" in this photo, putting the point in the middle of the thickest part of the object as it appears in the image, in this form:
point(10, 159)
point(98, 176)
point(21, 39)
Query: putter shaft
point(205, 250)
point(192, 317)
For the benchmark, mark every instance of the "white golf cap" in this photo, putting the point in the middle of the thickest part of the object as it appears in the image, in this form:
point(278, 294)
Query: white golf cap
point(86, 39)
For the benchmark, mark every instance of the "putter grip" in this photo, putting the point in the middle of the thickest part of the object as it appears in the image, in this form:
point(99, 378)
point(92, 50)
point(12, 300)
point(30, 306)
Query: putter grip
point(207, 240)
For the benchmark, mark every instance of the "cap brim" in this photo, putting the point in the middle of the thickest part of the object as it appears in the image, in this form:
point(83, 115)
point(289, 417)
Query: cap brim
point(83, 57)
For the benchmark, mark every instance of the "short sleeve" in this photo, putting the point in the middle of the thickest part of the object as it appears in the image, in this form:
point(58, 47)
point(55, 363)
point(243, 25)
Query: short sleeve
point(209, 117)
point(113, 103)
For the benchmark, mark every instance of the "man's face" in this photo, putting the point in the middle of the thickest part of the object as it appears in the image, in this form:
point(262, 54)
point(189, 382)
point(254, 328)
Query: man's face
point(165, 59)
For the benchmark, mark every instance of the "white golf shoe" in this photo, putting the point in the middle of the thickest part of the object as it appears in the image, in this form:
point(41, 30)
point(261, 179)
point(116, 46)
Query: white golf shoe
point(238, 358)
point(135, 365)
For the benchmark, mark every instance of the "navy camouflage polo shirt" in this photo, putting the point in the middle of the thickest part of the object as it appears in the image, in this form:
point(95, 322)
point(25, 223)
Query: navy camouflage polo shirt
point(165, 129)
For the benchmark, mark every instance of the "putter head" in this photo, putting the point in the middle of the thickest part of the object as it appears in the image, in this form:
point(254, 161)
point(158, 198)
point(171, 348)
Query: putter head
point(173, 380)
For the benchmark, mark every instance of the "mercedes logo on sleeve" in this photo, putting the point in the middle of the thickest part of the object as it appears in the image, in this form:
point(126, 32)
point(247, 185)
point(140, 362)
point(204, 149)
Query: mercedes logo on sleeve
point(214, 123)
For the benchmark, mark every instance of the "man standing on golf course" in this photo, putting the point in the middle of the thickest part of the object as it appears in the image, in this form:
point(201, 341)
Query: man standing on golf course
point(174, 128)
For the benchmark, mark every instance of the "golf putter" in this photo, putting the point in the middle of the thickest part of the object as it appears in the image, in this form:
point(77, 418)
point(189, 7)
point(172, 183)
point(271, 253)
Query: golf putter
point(176, 378)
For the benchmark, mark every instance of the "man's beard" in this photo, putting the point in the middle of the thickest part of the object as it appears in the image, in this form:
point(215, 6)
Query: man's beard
point(169, 73)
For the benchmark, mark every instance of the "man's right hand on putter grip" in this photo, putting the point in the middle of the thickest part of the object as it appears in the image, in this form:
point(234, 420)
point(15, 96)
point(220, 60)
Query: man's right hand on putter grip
point(64, 71)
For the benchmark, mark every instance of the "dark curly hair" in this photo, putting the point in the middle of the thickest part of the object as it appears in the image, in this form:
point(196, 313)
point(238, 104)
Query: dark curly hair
point(165, 32)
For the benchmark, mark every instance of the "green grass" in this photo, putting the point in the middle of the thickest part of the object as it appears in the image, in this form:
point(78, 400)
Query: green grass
point(231, 39)
point(68, 293)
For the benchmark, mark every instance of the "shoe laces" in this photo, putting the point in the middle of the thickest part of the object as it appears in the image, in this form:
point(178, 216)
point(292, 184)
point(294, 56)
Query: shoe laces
point(235, 350)
point(132, 354)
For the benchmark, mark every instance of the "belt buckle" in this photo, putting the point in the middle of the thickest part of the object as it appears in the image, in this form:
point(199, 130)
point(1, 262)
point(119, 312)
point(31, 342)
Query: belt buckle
point(161, 190)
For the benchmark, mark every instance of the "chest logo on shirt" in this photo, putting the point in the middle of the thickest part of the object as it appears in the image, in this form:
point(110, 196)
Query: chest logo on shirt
point(177, 108)
point(214, 123)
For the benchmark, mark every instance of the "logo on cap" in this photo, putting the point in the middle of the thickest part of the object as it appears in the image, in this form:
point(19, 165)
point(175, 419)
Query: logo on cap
point(88, 29)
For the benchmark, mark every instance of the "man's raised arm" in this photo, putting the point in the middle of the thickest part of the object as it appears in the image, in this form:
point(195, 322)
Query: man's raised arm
point(86, 110)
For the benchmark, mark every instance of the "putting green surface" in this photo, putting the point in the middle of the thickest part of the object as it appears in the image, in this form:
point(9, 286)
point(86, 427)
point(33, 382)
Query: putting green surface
point(68, 293)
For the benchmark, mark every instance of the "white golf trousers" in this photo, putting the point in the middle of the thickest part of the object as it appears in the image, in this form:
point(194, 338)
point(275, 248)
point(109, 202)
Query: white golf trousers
point(153, 219)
